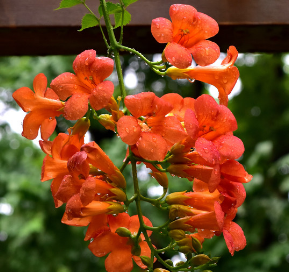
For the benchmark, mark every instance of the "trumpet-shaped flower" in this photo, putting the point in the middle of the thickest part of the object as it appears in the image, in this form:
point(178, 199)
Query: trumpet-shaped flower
point(186, 34)
point(223, 77)
point(120, 249)
point(43, 106)
point(86, 85)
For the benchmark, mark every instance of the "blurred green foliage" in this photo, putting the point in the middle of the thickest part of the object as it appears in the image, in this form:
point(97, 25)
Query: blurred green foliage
point(32, 238)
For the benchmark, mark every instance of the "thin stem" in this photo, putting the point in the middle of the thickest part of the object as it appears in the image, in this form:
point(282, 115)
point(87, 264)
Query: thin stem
point(127, 160)
point(115, 47)
point(91, 12)
point(140, 216)
point(170, 246)
point(121, 27)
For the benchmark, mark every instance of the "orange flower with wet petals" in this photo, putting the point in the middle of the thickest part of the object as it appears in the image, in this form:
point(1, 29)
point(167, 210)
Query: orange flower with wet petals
point(223, 77)
point(86, 85)
point(186, 35)
point(120, 248)
point(43, 106)
point(150, 129)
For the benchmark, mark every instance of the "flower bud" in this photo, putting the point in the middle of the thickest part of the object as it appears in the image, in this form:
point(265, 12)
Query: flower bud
point(119, 194)
point(179, 211)
point(123, 232)
point(181, 224)
point(107, 121)
point(180, 263)
point(146, 261)
point(178, 158)
point(177, 148)
point(161, 270)
point(196, 245)
point(200, 259)
point(161, 178)
point(115, 208)
point(177, 234)
point(118, 179)
point(176, 198)
point(185, 249)
point(81, 127)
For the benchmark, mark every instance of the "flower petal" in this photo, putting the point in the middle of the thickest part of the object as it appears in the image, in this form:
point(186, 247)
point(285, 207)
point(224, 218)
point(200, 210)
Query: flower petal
point(191, 124)
point(128, 129)
point(162, 30)
point(152, 146)
point(207, 150)
point(47, 128)
point(24, 97)
point(100, 96)
point(40, 84)
point(205, 52)
point(67, 84)
point(178, 56)
point(119, 260)
point(140, 104)
point(76, 107)
point(229, 146)
point(234, 237)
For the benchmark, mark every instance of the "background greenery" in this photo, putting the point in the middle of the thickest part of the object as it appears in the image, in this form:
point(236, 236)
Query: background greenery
point(32, 237)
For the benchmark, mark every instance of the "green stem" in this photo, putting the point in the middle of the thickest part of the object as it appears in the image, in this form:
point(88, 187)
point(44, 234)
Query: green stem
point(115, 48)
point(140, 216)
point(121, 27)
point(170, 246)
point(91, 12)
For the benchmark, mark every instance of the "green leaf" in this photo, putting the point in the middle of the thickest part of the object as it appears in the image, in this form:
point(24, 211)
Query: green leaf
point(118, 18)
point(128, 2)
point(111, 8)
point(68, 3)
point(88, 20)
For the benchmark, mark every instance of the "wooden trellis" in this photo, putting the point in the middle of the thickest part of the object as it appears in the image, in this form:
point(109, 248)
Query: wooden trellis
point(32, 27)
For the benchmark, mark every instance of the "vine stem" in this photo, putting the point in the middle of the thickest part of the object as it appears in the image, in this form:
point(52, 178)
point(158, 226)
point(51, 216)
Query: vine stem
point(115, 48)
point(139, 212)
point(98, 20)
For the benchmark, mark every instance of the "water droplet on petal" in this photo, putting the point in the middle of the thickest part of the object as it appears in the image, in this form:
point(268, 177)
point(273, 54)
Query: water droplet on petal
point(225, 80)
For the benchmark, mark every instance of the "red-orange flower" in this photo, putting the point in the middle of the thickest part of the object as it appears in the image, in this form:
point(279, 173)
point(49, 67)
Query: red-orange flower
point(186, 35)
point(43, 106)
point(86, 85)
point(150, 129)
point(223, 77)
point(120, 248)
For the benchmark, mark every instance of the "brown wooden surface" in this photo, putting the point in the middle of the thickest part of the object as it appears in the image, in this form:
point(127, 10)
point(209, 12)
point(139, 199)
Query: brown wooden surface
point(32, 27)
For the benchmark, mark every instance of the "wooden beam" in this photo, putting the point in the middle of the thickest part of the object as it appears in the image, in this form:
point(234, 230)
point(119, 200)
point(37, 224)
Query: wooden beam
point(32, 27)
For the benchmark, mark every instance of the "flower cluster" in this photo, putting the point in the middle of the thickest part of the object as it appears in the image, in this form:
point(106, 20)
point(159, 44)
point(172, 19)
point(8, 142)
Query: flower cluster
point(185, 137)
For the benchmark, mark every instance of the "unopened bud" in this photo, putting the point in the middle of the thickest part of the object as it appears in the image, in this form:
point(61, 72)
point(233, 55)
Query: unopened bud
point(164, 57)
point(119, 194)
point(185, 249)
point(177, 148)
point(161, 270)
point(200, 259)
point(107, 121)
point(180, 263)
point(176, 198)
point(179, 211)
point(181, 224)
point(179, 170)
point(115, 208)
point(196, 245)
point(161, 178)
point(177, 234)
point(146, 261)
point(81, 127)
point(136, 250)
point(123, 232)
point(178, 158)
point(118, 179)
